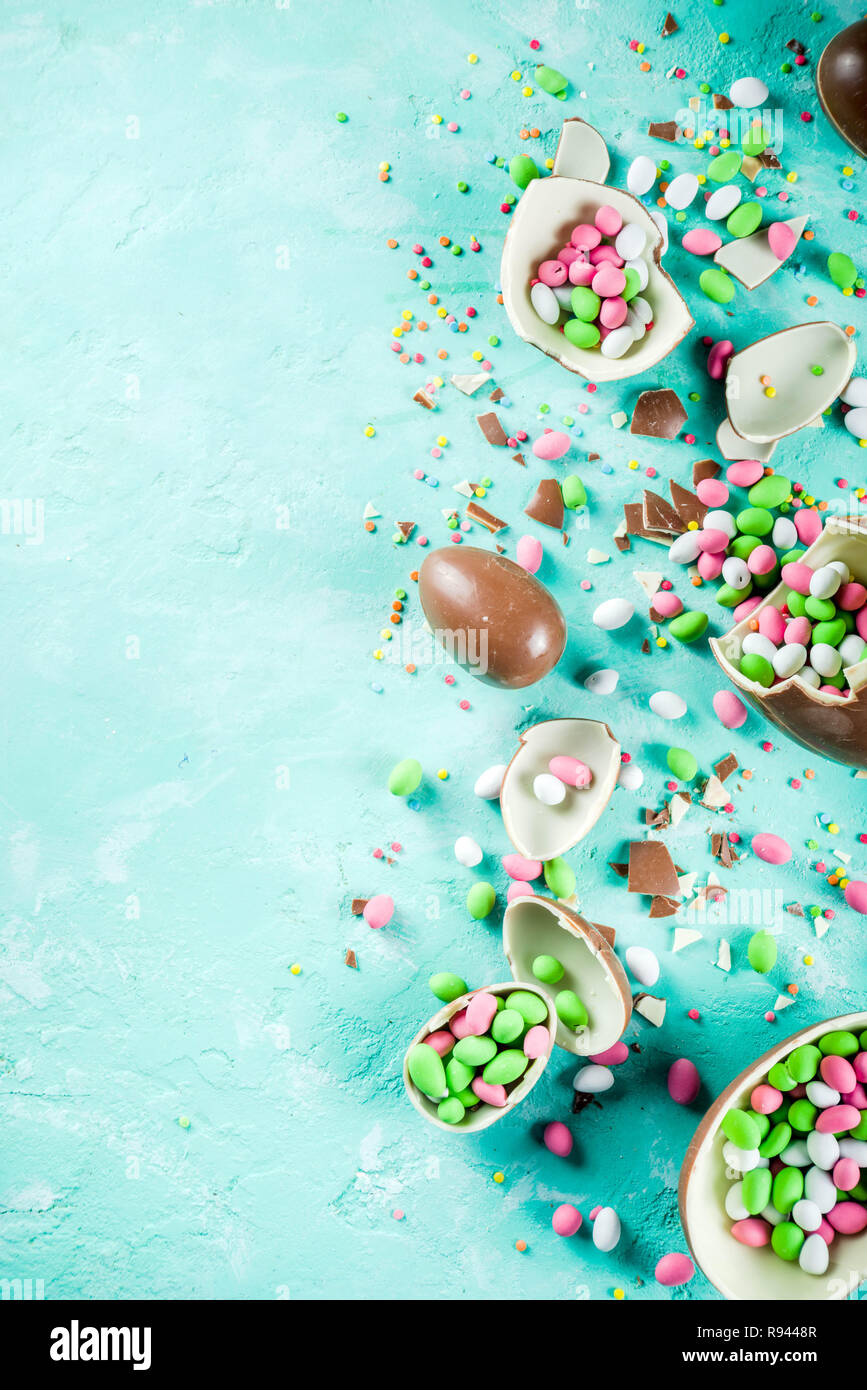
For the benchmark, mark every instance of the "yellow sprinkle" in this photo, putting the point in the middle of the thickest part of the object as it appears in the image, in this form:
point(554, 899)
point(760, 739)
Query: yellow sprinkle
point(833, 828)
point(442, 441)
point(808, 960)
point(724, 144)
point(844, 883)
point(661, 642)
point(848, 291)
point(699, 144)
point(184, 1121)
point(516, 76)
point(640, 48)
point(384, 166)
point(724, 38)
point(792, 177)
point(847, 171)
point(294, 969)
point(437, 120)
point(862, 443)
point(526, 91)
point(370, 431)
point(441, 312)
point(633, 464)
point(386, 634)
point(438, 381)
point(809, 501)
point(619, 1295)
point(472, 57)
point(378, 654)
point(481, 492)
point(692, 526)
point(406, 315)
point(477, 356)
point(549, 164)
point(443, 774)
point(770, 391)
point(499, 1177)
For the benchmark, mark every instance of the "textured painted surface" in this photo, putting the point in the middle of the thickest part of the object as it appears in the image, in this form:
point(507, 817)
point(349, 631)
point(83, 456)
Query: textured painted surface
point(198, 303)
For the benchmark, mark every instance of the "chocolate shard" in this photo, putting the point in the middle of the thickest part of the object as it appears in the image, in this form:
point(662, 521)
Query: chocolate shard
point(664, 130)
point(497, 394)
point(651, 869)
point(769, 160)
point(350, 959)
point(519, 458)
point(796, 47)
point(796, 909)
point(634, 514)
point(722, 103)
point(662, 906)
point(546, 504)
point(425, 398)
point(657, 820)
point(607, 932)
point(358, 906)
point(658, 414)
point(485, 518)
point(726, 766)
point(660, 516)
point(669, 26)
point(491, 428)
point(405, 528)
point(689, 507)
point(645, 647)
point(620, 869)
point(704, 468)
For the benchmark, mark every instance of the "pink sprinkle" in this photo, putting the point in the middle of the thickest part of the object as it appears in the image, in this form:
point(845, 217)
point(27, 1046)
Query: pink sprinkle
point(466, 526)
point(852, 215)
point(689, 438)
point(418, 249)
point(783, 197)
point(796, 783)
point(465, 94)
point(666, 584)
point(728, 807)
point(398, 1214)
point(427, 262)
point(377, 854)
point(693, 1014)
point(418, 473)
point(534, 44)
point(449, 680)
point(800, 60)
point(585, 584)
point(487, 366)
point(734, 837)
point(471, 312)
point(820, 867)
point(680, 72)
point(829, 913)
point(761, 191)
point(767, 747)
point(583, 409)
point(671, 786)
point(421, 540)
point(627, 758)
point(521, 435)
point(770, 1016)
point(452, 126)
point(436, 452)
point(805, 116)
point(842, 482)
point(651, 472)
point(396, 846)
point(591, 387)
point(594, 1213)
point(465, 704)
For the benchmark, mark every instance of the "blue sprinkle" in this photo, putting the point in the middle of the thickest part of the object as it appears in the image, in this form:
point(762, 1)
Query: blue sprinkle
point(847, 184)
point(453, 328)
point(432, 482)
point(376, 687)
point(505, 401)
point(489, 158)
point(414, 805)
point(606, 468)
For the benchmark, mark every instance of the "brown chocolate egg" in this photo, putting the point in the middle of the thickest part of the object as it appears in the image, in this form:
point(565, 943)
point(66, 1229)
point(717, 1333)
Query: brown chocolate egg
point(491, 616)
point(841, 81)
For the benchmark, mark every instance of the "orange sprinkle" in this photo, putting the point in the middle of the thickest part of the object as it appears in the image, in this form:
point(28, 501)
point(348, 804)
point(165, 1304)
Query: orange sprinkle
point(792, 989)
point(754, 624)
point(391, 243)
point(663, 183)
point(696, 582)
point(812, 300)
point(412, 275)
point(661, 203)
point(433, 299)
point(445, 241)
point(833, 880)
point(849, 330)
point(413, 574)
point(747, 774)
point(535, 133)
point(462, 327)
point(397, 606)
point(765, 381)
point(823, 506)
point(411, 668)
point(644, 67)
point(524, 134)
point(404, 358)
point(395, 618)
point(499, 299)
point(442, 354)
point(369, 526)
point(422, 326)
point(808, 236)
point(521, 1245)
point(383, 176)
point(689, 132)
point(809, 774)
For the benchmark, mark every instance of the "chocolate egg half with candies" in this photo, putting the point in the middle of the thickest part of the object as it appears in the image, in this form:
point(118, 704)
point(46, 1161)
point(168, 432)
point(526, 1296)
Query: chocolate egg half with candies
point(539, 829)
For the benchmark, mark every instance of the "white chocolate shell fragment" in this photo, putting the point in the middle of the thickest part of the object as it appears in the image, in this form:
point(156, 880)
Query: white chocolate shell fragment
point(750, 258)
point(788, 358)
point(544, 832)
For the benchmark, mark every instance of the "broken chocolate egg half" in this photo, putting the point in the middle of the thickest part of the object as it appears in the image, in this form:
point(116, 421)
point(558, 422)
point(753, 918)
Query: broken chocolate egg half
point(534, 926)
point(541, 831)
point(483, 1116)
point(841, 82)
point(548, 211)
point(743, 1271)
point(783, 382)
point(830, 725)
point(493, 618)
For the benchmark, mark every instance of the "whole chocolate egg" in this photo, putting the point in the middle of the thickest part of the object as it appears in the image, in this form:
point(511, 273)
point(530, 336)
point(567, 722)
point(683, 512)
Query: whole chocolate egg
point(491, 616)
point(841, 81)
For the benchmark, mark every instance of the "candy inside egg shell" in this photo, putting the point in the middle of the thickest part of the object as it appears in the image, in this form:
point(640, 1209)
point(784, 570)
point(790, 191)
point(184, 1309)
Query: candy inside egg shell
point(800, 394)
point(742, 1271)
point(534, 926)
point(546, 214)
point(540, 831)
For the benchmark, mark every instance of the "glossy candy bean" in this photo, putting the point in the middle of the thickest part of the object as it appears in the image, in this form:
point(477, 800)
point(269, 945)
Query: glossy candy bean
point(505, 1068)
point(570, 1009)
point(507, 1026)
point(480, 900)
point(481, 1011)
point(490, 1094)
point(475, 1051)
point(571, 771)
point(531, 1007)
point(684, 1082)
point(536, 1041)
point(560, 877)
point(566, 1220)
point(558, 1139)
point(427, 1071)
point(752, 1231)
point(674, 1270)
point(447, 986)
point(606, 1229)
point(548, 969)
point(837, 1118)
point(525, 870)
point(741, 1129)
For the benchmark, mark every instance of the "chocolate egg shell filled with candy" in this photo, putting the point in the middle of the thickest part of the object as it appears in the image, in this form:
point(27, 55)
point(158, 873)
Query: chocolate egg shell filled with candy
point(831, 725)
point(743, 1271)
point(841, 82)
point(492, 617)
point(542, 831)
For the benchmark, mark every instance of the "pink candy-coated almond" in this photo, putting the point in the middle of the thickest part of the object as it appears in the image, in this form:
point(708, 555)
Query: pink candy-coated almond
point(846, 1174)
point(752, 1231)
point(608, 220)
point(517, 866)
point(859, 1066)
point(766, 1099)
point(796, 575)
point(772, 848)
point(848, 1218)
point(558, 1139)
point(491, 1095)
point(836, 1119)
point(613, 312)
point(781, 240)
point(744, 472)
point(529, 553)
point(761, 560)
point(553, 273)
point(569, 254)
point(729, 709)
point(586, 237)
point(851, 596)
point(808, 525)
point(826, 1231)
point(480, 1013)
point(378, 911)
point(712, 492)
point(684, 1082)
point(603, 254)
point(458, 1024)
point(441, 1042)
point(856, 895)
point(553, 444)
point(837, 1073)
point(857, 1097)
point(861, 623)
point(701, 241)
point(571, 771)
point(581, 272)
point(566, 1220)
point(536, 1041)
point(772, 624)
point(608, 281)
point(666, 603)
point(673, 1270)
point(517, 889)
point(798, 630)
point(717, 360)
point(618, 1052)
point(710, 566)
point(712, 540)
point(748, 606)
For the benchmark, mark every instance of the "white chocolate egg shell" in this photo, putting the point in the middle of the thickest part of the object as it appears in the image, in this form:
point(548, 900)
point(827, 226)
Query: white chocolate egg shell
point(534, 926)
point(484, 1115)
point(547, 212)
point(544, 832)
point(825, 724)
point(743, 1271)
point(787, 358)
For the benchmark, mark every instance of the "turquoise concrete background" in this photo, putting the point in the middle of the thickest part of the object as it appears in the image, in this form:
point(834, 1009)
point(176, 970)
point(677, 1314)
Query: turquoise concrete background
point(198, 309)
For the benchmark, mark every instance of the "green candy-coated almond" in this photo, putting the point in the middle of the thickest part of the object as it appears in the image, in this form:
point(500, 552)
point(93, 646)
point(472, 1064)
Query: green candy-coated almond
point(742, 547)
point(585, 303)
point(839, 680)
point(755, 140)
point(838, 1043)
point(786, 1240)
point(475, 1051)
point(633, 284)
point(725, 166)
point(570, 1009)
point(741, 1128)
point(403, 779)
point(841, 269)
point(688, 626)
point(821, 610)
point(730, 598)
point(770, 491)
point(780, 1078)
point(755, 521)
point(447, 987)
point(796, 604)
point(468, 1099)
point(458, 1075)
point(480, 900)
point(522, 170)
point(581, 335)
point(778, 1139)
point(860, 1130)
point(451, 1111)
point(548, 969)
point(550, 80)
point(717, 286)
point(763, 1122)
point(532, 1009)
point(803, 1063)
point(574, 493)
point(746, 219)
point(788, 1188)
point(762, 950)
point(682, 763)
point(863, 1041)
point(756, 1190)
point(427, 1071)
point(506, 1067)
point(791, 556)
point(831, 632)
point(769, 580)
point(507, 1026)
point(757, 668)
point(560, 877)
point(802, 1115)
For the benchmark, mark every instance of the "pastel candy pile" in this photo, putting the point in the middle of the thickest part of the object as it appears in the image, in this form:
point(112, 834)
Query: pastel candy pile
point(799, 1153)
point(592, 289)
point(485, 1049)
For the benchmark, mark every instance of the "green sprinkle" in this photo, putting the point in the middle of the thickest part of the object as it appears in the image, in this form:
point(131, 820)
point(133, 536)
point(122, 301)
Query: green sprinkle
point(463, 187)
point(342, 116)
